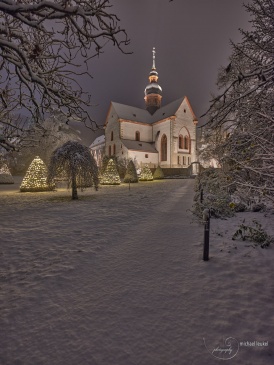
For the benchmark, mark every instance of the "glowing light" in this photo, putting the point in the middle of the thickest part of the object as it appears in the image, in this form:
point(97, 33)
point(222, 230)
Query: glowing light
point(146, 174)
point(110, 176)
point(36, 177)
point(5, 175)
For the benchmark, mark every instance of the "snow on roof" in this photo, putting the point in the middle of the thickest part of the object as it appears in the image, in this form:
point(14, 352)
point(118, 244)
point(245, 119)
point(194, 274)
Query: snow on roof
point(168, 110)
point(97, 141)
point(132, 113)
point(139, 146)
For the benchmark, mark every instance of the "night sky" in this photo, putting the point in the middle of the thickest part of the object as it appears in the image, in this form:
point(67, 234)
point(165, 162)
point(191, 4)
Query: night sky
point(192, 40)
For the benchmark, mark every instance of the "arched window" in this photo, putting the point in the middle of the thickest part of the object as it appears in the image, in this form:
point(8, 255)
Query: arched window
point(164, 148)
point(181, 141)
point(186, 144)
point(114, 149)
point(137, 136)
point(111, 136)
point(109, 150)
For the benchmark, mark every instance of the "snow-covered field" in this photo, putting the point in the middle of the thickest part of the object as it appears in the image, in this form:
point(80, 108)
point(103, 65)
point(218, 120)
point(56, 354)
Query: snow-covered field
point(118, 278)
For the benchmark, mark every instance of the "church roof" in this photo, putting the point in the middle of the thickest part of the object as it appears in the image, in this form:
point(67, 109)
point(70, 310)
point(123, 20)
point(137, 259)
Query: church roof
point(168, 110)
point(132, 113)
point(99, 140)
point(139, 146)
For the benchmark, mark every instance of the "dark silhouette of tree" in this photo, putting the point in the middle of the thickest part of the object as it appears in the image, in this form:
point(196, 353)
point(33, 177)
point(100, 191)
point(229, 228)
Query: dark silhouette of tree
point(131, 174)
point(75, 162)
point(158, 174)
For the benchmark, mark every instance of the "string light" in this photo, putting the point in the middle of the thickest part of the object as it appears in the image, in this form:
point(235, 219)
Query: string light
point(36, 177)
point(110, 176)
point(146, 174)
point(5, 175)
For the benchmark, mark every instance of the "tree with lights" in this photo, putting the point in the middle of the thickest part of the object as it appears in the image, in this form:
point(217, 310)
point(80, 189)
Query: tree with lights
point(110, 176)
point(158, 174)
point(36, 177)
point(5, 175)
point(76, 162)
point(131, 174)
point(146, 174)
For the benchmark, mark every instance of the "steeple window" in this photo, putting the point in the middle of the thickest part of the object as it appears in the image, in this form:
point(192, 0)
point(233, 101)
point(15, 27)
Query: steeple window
point(137, 136)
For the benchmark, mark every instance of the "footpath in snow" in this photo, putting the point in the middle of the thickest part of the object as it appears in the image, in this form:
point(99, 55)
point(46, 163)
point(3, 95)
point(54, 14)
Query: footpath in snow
point(118, 278)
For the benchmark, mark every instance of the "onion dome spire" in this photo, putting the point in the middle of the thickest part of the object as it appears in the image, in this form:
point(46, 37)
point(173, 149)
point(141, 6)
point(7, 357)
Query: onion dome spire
point(153, 91)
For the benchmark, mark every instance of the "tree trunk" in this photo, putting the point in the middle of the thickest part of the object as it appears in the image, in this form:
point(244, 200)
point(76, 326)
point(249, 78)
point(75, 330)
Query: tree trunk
point(74, 187)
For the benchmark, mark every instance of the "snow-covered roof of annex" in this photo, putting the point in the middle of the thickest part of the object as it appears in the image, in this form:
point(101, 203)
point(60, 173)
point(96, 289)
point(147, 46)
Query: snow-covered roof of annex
point(139, 146)
point(98, 141)
point(134, 114)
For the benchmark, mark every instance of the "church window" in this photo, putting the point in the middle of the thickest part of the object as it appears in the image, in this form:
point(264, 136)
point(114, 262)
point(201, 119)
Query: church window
point(137, 136)
point(114, 149)
point(186, 144)
point(111, 136)
point(164, 148)
point(181, 141)
point(146, 155)
point(178, 160)
point(184, 160)
point(109, 150)
point(189, 160)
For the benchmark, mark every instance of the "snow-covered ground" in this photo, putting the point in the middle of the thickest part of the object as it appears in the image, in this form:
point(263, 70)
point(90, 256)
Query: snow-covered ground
point(118, 278)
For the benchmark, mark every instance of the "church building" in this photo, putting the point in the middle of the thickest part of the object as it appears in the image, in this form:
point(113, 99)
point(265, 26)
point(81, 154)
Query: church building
point(157, 135)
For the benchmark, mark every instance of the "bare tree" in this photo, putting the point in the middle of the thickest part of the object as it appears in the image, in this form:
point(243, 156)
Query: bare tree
point(241, 117)
point(42, 140)
point(76, 162)
point(45, 49)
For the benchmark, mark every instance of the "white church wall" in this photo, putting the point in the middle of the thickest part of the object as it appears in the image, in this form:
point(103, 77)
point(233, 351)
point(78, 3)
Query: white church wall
point(144, 158)
point(162, 128)
point(112, 133)
point(183, 124)
point(129, 129)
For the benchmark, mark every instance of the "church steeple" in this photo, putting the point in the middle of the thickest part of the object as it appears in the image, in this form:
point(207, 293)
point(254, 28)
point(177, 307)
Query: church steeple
point(153, 91)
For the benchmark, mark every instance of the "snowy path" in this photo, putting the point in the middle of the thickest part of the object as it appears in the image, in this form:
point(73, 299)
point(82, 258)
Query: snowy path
point(125, 285)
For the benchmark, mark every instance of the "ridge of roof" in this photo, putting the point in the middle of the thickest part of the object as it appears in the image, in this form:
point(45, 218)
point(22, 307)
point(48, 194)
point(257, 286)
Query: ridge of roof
point(136, 114)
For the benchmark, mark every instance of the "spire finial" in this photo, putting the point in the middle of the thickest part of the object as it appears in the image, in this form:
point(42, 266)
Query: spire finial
point(153, 58)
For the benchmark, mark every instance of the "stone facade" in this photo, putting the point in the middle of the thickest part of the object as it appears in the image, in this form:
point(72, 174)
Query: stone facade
point(166, 138)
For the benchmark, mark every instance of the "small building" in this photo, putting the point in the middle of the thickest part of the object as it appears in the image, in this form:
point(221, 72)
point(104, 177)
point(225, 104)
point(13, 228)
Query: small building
point(156, 135)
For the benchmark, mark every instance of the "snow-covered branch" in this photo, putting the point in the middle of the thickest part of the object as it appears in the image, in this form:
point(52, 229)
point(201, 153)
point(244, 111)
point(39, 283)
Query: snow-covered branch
point(45, 48)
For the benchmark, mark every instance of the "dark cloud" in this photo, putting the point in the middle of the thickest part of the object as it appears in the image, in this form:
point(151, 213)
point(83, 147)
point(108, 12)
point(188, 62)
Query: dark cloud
point(192, 40)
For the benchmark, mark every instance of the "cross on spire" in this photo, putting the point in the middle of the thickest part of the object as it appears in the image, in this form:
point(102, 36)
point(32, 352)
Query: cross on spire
point(153, 58)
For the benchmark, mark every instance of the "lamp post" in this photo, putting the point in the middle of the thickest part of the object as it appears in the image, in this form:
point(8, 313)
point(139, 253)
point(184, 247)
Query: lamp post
point(206, 219)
